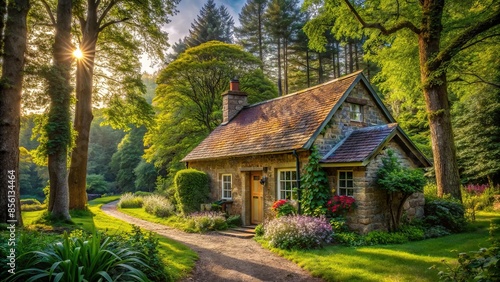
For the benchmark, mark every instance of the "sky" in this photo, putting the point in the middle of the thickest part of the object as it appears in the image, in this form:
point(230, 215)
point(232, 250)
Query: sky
point(188, 11)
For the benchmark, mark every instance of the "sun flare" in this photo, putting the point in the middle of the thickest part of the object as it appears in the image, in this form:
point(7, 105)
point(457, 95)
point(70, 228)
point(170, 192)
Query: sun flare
point(78, 54)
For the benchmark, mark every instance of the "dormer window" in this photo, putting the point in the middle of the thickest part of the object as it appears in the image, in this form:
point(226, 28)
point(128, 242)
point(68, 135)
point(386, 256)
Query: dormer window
point(356, 113)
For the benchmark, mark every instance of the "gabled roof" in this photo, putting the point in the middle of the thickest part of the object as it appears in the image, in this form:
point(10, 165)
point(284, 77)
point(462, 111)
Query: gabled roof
point(360, 145)
point(287, 123)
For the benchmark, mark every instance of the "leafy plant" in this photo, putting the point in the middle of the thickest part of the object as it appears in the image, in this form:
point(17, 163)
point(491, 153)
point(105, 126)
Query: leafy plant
point(83, 259)
point(128, 200)
point(315, 189)
point(208, 221)
point(259, 230)
point(449, 214)
point(283, 208)
point(339, 206)
point(158, 205)
point(191, 190)
point(396, 179)
point(298, 232)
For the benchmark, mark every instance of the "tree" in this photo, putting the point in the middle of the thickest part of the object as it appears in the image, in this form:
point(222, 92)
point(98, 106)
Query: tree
point(58, 128)
point(189, 103)
point(117, 32)
point(421, 23)
point(12, 47)
point(211, 24)
point(282, 17)
point(398, 181)
point(251, 32)
point(126, 159)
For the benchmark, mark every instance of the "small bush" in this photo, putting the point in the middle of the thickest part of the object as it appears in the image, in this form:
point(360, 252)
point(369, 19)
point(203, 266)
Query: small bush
point(96, 184)
point(158, 205)
point(128, 200)
point(447, 213)
point(283, 208)
point(413, 233)
point(298, 232)
point(259, 230)
point(208, 221)
point(234, 221)
point(339, 224)
point(192, 188)
point(349, 238)
point(33, 207)
point(30, 201)
point(436, 231)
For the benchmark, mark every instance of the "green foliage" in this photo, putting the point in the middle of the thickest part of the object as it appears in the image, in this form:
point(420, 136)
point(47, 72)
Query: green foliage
point(211, 24)
point(128, 200)
point(145, 176)
point(476, 200)
point(234, 221)
point(207, 221)
point(449, 214)
point(314, 185)
point(192, 188)
point(126, 159)
point(482, 265)
point(383, 238)
point(83, 259)
point(96, 184)
point(259, 230)
point(30, 202)
point(158, 205)
point(283, 208)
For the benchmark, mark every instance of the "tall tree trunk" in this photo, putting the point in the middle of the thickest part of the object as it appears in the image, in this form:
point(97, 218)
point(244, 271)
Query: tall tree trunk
point(436, 99)
point(14, 37)
point(320, 69)
point(351, 60)
point(337, 50)
point(3, 14)
point(83, 110)
point(308, 70)
point(59, 133)
point(261, 46)
point(280, 90)
point(285, 64)
point(356, 57)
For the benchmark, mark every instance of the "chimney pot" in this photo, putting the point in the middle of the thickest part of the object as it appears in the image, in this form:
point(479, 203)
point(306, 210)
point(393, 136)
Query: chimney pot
point(234, 85)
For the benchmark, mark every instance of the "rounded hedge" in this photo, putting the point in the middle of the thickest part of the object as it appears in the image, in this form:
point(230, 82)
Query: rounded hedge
point(192, 188)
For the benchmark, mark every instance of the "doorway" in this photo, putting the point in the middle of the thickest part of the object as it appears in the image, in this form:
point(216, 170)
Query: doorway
point(257, 198)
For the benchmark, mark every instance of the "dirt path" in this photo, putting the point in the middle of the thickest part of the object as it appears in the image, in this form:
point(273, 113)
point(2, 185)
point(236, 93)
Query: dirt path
point(223, 258)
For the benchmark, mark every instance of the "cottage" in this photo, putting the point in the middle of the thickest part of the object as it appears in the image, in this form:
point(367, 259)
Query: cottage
point(255, 156)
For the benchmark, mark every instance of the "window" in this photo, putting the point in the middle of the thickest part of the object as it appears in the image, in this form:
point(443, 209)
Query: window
point(226, 186)
point(346, 187)
point(356, 114)
point(287, 182)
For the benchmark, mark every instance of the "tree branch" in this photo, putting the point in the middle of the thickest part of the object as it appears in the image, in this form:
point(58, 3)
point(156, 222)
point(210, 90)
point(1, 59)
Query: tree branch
point(47, 7)
point(456, 44)
point(111, 4)
point(480, 80)
point(478, 41)
point(111, 23)
point(386, 31)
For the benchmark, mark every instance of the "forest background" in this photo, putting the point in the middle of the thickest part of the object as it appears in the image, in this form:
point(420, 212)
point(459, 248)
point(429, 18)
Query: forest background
point(144, 124)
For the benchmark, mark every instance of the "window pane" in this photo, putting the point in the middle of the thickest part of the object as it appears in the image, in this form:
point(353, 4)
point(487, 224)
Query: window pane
point(342, 175)
point(349, 184)
point(342, 183)
point(349, 175)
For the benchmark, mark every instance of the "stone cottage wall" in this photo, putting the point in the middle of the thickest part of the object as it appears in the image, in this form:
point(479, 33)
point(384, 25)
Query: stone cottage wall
point(240, 168)
point(372, 210)
point(341, 123)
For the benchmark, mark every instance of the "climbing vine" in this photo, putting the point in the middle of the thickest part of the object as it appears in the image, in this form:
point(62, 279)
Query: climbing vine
point(315, 190)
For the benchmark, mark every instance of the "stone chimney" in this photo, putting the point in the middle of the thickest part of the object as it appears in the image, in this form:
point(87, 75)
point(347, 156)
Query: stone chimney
point(232, 101)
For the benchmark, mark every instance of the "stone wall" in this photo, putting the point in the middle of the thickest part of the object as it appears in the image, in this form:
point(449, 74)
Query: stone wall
point(240, 168)
point(341, 123)
point(371, 212)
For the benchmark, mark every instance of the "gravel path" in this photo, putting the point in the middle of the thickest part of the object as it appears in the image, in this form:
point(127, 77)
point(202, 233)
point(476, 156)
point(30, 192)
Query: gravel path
point(223, 258)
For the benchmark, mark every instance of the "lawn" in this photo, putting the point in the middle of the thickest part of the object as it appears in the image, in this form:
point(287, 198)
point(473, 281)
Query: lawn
point(178, 258)
point(406, 262)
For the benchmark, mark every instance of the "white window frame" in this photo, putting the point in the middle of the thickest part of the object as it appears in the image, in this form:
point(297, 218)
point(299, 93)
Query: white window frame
point(356, 112)
point(226, 192)
point(344, 189)
point(287, 185)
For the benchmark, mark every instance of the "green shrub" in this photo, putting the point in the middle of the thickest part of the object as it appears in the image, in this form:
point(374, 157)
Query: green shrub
point(383, 238)
point(128, 200)
point(158, 205)
point(447, 213)
point(283, 208)
point(82, 259)
point(436, 231)
point(30, 201)
point(413, 233)
point(192, 188)
point(339, 224)
point(33, 207)
point(142, 193)
point(207, 221)
point(96, 184)
point(348, 238)
point(259, 230)
point(234, 221)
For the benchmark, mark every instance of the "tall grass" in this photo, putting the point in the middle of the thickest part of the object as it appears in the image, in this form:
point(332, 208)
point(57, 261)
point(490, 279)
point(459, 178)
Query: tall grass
point(129, 200)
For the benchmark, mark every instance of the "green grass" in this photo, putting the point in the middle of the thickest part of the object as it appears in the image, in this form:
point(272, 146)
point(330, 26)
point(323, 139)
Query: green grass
point(178, 259)
point(405, 262)
point(172, 221)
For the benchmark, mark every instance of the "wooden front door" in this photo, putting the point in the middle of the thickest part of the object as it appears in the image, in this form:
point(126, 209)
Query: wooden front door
point(257, 198)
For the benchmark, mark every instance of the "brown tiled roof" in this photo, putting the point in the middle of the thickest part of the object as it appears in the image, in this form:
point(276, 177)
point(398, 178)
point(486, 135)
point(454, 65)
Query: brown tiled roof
point(360, 144)
point(276, 125)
